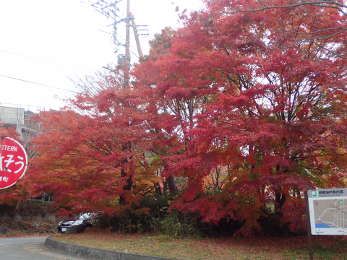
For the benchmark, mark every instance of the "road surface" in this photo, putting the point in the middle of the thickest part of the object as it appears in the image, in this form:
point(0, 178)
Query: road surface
point(29, 248)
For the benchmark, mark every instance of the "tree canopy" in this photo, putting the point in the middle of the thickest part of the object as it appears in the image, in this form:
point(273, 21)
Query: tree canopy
point(234, 115)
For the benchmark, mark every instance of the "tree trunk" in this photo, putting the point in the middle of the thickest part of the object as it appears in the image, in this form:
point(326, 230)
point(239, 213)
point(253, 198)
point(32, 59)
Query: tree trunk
point(172, 185)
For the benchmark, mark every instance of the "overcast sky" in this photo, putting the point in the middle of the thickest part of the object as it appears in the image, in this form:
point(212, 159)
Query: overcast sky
point(50, 42)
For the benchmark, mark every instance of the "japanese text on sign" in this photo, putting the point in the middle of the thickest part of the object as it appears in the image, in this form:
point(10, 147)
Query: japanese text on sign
point(13, 162)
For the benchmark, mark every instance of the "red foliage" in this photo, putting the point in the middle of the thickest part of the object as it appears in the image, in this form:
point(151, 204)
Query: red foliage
point(87, 161)
point(248, 109)
point(252, 94)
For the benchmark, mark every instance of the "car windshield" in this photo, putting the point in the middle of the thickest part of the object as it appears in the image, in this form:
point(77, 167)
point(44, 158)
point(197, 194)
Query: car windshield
point(85, 216)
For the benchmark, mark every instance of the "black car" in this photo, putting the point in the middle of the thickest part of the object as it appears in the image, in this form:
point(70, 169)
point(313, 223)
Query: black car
point(78, 225)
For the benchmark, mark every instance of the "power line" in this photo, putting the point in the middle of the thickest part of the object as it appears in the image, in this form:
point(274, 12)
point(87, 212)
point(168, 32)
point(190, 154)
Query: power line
point(22, 106)
point(36, 83)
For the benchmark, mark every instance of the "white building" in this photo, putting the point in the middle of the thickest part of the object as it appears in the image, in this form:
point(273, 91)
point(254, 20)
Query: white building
point(20, 119)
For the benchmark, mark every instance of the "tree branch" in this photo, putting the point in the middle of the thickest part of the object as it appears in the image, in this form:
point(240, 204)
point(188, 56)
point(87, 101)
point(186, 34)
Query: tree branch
point(325, 4)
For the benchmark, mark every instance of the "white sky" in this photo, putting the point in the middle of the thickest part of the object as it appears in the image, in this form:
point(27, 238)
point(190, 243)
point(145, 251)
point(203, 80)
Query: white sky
point(54, 41)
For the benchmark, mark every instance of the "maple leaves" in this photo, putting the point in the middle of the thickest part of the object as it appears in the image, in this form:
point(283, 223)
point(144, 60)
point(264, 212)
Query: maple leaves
point(86, 161)
point(259, 91)
point(246, 109)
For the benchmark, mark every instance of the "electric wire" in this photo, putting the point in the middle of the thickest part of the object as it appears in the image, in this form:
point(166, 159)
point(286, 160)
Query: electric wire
point(36, 83)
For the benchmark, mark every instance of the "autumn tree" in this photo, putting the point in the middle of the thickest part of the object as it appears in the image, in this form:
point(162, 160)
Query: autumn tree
point(248, 108)
point(172, 105)
point(265, 105)
point(93, 157)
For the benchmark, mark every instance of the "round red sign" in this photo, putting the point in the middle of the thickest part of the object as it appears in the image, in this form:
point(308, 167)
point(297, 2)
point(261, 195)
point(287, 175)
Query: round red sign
point(13, 162)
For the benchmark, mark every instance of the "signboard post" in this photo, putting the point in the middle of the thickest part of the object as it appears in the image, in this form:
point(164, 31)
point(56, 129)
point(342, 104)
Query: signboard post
point(328, 211)
point(309, 234)
point(13, 162)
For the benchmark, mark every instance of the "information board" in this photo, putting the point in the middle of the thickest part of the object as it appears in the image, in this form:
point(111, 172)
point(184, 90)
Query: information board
point(328, 211)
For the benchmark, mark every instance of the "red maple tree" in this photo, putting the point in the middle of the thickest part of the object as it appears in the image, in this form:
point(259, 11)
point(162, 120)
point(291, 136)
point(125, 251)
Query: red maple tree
point(256, 97)
point(247, 110)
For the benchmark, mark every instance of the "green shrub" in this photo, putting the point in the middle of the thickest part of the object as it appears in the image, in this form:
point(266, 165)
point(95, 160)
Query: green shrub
point(179, 225)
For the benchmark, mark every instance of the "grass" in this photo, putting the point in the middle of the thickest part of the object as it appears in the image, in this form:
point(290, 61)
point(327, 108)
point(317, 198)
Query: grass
point(325, 248)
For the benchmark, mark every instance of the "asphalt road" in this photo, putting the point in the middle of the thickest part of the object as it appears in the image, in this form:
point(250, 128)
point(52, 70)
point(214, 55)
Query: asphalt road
point(29, 248)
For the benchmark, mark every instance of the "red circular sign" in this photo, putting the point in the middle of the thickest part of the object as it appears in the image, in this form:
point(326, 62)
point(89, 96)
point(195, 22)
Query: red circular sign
point(13, 162)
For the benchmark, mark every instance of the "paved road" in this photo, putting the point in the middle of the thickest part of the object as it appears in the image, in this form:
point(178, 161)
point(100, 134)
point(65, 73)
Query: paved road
point(28, 249)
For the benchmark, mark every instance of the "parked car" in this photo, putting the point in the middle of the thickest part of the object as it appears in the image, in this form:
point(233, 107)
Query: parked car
point(78, 225)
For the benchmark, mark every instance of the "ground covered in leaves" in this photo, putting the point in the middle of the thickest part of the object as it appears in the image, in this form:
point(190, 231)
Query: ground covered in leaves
point(209, 249)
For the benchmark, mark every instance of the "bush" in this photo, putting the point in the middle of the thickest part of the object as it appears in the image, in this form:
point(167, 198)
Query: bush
point(142, 218)
point(178, 225)
point(152, 215)
point(225, 227)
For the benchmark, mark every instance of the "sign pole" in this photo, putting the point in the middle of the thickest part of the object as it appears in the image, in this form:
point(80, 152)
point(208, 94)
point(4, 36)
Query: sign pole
point(308, 222)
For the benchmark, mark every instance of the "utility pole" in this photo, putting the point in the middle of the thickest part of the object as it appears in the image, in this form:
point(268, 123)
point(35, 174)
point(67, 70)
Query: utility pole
point(111, 9)
point(137, 38)
point(127, 45)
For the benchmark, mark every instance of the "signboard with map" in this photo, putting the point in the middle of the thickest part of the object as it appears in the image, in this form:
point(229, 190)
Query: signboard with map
point(328, 211)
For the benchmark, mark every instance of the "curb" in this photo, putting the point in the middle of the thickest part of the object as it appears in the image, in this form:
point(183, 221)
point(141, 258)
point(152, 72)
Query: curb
point(95, 253)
